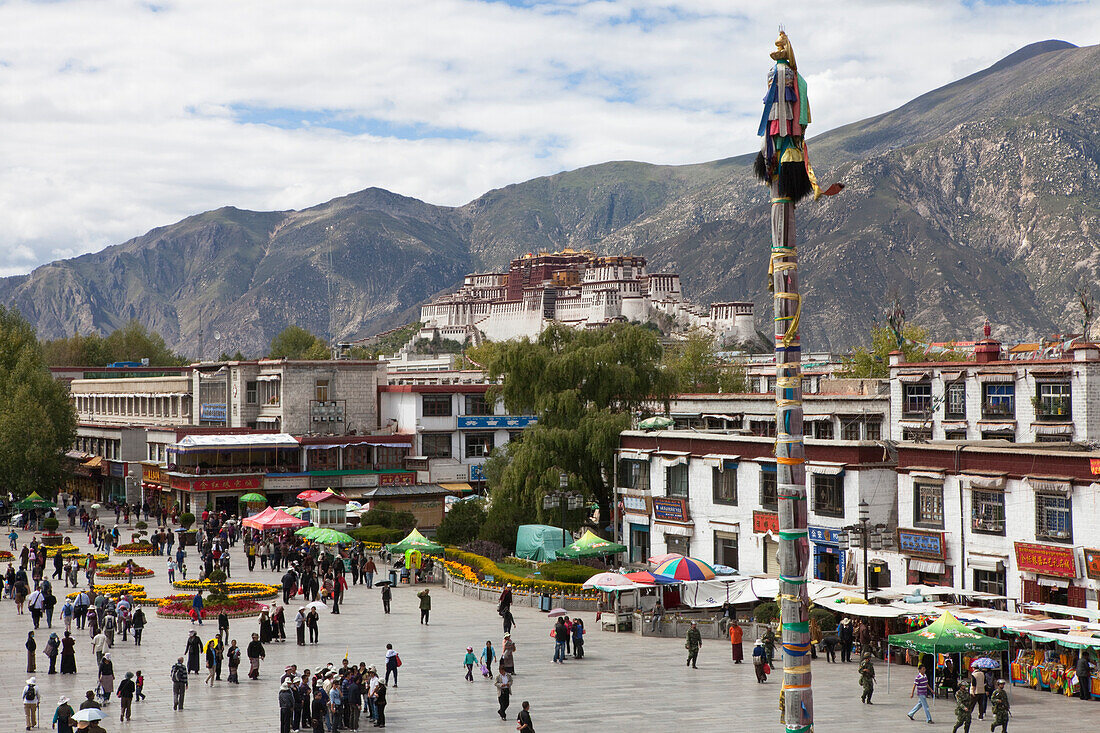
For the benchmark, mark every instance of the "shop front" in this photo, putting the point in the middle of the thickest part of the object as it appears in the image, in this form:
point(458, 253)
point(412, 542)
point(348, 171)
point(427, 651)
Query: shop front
point(829, 561)
point(636, 511)
point(114, 483)
point(86, 480)
point(1047, 575)
point(196, 494)
point(926, 557)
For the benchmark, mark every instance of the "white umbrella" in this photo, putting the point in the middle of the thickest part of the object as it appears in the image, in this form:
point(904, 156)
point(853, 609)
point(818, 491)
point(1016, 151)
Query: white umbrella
point(89, 714)
point(608, 580)
point(316, 604)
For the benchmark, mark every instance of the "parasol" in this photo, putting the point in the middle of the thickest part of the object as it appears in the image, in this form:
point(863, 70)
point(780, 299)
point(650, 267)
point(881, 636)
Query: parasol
point(608, 581)
point(317, 605)
point(656, 423)
point(253, 498)
point(686, 568)
point(89, 715)
point(33, 501)
point(985, 663)
point(662, 559)
point(328, 536)
point(557, 612)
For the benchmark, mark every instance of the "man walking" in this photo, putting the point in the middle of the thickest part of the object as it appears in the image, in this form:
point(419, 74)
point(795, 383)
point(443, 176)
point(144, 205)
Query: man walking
point(179, 684)
point(386, 596)
point(560, 635)
point(736, 638)
point(847, 637)
point(1084, 676)
point(524, 723)
point(425, 605)
point(999, 701)
point(920, 689)
point(867, 678)
point(504, 693)
point(963, 704)
point(694, 642)
point(31, 701)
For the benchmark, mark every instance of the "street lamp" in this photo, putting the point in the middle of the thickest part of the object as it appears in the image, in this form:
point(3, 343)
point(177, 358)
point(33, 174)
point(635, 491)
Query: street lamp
point(563, 498)
point(864, 530)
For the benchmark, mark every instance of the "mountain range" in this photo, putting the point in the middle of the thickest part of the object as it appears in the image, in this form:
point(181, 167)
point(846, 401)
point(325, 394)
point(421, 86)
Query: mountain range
point(978, 200)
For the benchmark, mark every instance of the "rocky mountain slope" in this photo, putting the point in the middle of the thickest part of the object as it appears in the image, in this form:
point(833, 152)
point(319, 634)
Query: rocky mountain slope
point(977, 200)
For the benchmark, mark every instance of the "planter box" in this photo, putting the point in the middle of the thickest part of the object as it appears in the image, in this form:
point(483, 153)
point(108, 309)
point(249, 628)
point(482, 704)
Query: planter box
point(52, 540)
point(187, 539)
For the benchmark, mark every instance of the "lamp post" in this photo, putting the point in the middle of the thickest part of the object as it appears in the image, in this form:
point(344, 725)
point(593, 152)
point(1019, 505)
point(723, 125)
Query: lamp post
point(864, 529)
point(563, 498)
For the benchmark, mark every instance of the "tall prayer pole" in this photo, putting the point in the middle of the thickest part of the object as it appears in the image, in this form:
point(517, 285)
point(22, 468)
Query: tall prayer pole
point(783, 165)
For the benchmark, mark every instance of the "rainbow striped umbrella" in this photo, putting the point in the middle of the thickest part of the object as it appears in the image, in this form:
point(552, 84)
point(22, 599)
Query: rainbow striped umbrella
point(685, 568)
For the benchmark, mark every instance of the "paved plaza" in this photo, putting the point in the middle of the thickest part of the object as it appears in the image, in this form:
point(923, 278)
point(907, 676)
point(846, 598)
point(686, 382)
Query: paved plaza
point(624, 683)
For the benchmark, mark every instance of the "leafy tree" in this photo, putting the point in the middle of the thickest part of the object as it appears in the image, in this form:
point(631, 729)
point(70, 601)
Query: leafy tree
point(294, 342)
point(386, 515)
point(874, 362)
point(37, 421)
point(462, 523)
point(697, 367)
point(438, 345)
point(226, 356)
point(583, 386)
point(132, 342)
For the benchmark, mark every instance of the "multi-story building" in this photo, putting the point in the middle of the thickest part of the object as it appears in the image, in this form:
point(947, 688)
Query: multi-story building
point(1053, 397)
point(714, 496)
point(453, 424)
point(1015, 520)
point(848, 409)
point(580, 289)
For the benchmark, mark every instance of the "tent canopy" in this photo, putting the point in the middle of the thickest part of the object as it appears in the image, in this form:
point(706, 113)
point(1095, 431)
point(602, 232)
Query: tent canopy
point(539, 542)
point(251, 441)
point(415, 541)
point(591, 545)
point(947, 635)
point(272, 518)
point(33, 501)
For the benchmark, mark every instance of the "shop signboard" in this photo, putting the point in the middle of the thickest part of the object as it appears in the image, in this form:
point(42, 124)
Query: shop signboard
point(1094, 466)
point(496, 422)
point(635, 505)
point(153, 474)
point(1092, 563)
point(396, 479)
point(765, 522)
point(669, 509)
point(1046, 560)
point(920, 543)
point(477, 472)
point(825, 535)
point(236, 483)
point(212, 411)
point(116, 469)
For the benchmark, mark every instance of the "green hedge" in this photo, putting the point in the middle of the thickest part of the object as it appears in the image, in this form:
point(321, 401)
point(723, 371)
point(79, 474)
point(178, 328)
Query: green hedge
point(377, 533)
point(484, 566)
point(566, 572)
point(766, 612)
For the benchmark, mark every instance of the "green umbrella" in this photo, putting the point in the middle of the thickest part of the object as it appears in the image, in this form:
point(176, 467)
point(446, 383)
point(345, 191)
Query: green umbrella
point(33, 501)
point(947, 635)
point(308, 532)
point(414, 541)
point(591, 545)
point(328, 536)
point(656, 423)
point(253, 498)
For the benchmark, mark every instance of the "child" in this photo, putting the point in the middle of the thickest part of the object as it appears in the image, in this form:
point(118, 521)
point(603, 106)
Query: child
point(138, 694)
point(183, 570)
point(470, 661)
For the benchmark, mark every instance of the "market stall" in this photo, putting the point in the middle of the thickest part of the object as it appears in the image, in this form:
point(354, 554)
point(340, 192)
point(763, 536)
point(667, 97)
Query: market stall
point(945, 635)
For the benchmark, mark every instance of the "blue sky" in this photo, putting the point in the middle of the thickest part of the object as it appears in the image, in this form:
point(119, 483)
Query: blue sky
point(117, 116)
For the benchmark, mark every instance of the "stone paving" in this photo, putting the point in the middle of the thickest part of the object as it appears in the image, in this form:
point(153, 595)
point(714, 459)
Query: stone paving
point(624, 683)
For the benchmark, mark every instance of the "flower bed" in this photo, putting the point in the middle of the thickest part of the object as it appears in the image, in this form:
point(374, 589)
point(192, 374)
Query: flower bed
point(136, 548)
point(62, 550)
point(481, 566)
point(6, 556)
point(82, 560)
point(119, 571)
point(243, 591)
point(234, 608)
point(115, 590)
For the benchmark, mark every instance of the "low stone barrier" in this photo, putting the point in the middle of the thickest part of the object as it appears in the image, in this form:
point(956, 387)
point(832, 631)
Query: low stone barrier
point(520, 597)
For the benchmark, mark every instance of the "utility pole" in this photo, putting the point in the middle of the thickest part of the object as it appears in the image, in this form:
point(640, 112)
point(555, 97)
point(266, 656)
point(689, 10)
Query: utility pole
point(783, 165)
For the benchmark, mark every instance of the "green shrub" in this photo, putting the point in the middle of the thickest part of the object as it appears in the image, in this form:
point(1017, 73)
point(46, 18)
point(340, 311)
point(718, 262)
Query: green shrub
point(50, 524)
point(484, 566)
point(385, 514)
point(566, 572)
point(377, 533)
point(826, 619)
point(141, 525)
point(766, 612)
point(186, 520)
point(462, 523)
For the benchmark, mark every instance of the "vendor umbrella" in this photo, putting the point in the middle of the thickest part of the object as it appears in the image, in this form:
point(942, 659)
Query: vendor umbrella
point(662, 559)
point(307, 532)
point(591, 545)
point(33, 501)
point(328, 536)
point(686, 568)
point(253, 498)
point(656, 423)
point(606, 581)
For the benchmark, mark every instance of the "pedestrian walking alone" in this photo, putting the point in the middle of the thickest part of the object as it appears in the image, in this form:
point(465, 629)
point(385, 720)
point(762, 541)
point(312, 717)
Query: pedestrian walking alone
point(693, 644)
point(760, 661)
point(963, 705)
point(31, 701)
point(425, 605)
point(736, 638)
point(999, 701)
point(867, 678)
point(393, 661)
point(179, 684)
point(920, 689)
point(469, 661)
point(503, 684)
point(524, 724)
point(386, 596)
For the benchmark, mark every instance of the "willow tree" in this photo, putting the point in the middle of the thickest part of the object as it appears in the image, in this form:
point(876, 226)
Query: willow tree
point(784, 166)
point(583, 387)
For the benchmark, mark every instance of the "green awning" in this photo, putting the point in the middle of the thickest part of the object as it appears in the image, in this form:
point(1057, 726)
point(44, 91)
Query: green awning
point(414, 541)
point(947, 635)
point(591, 545)
point(34, 501)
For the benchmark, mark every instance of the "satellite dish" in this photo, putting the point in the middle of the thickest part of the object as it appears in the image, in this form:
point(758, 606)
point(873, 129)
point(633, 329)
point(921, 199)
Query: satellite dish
point(217, 335)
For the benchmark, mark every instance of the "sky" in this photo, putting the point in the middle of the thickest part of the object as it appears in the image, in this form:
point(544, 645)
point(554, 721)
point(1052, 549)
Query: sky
point(117, 116)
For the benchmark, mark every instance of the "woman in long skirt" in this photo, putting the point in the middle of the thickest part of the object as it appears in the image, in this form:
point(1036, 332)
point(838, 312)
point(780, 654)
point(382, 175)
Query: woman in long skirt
point(107, 677)
point(265, 628)
point(68, 654)
point(31, 645)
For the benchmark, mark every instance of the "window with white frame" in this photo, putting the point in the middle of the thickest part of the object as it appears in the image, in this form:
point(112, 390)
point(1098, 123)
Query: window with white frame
point(987, 512)
point(928, 505)
point(954, 407)
point(1052, 518)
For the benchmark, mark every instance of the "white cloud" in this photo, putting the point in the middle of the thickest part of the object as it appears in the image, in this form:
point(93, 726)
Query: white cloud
point(115, 119)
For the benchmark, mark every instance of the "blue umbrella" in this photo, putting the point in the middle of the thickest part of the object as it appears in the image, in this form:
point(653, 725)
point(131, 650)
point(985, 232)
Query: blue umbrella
point(985, 663)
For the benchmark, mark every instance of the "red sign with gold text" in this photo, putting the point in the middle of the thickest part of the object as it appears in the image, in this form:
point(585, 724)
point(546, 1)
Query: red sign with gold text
point(236, 483)
point(1046, 560)
point(765, 522)
point(396, 479)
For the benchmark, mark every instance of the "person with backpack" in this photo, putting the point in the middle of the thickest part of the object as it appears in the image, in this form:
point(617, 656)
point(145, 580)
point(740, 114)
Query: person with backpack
point(30, 702)
point(63, 716)
point(179, 684)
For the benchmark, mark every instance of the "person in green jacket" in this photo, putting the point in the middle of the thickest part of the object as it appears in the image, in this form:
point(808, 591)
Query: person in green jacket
point(470, 660)
point(963, 703)
point(999, 701)
point(867, 678)
point(694, 641)
point(769, 643)
point(425, 605)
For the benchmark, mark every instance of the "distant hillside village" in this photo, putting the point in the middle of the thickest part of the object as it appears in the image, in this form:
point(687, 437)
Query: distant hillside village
point(580, 289)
